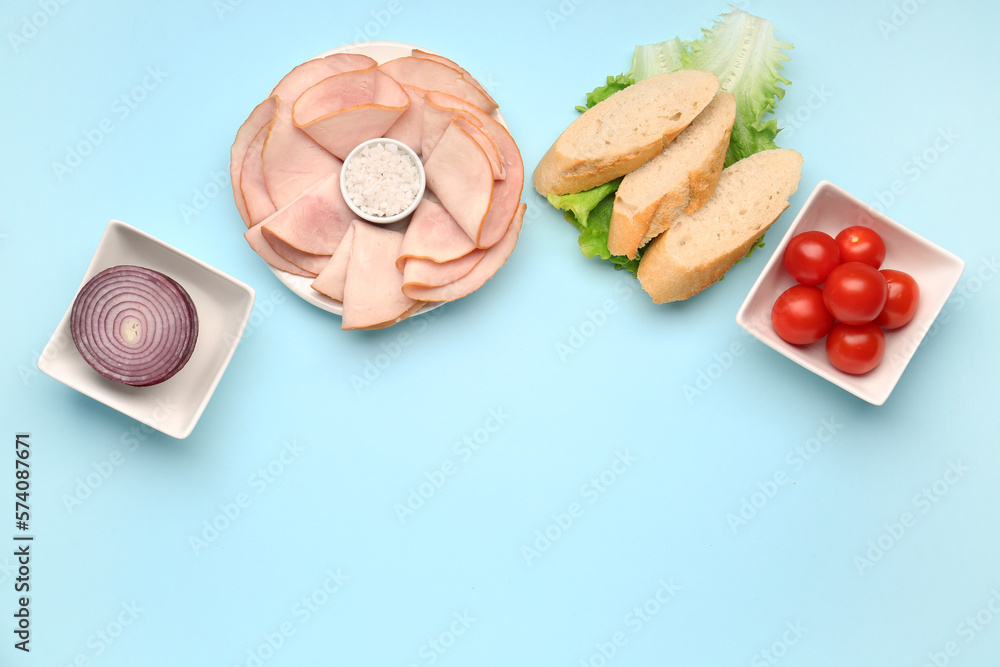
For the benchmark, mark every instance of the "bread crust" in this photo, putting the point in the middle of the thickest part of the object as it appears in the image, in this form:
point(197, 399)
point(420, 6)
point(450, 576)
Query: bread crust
point(668, 276)
point(647, 202)
point(623, 132)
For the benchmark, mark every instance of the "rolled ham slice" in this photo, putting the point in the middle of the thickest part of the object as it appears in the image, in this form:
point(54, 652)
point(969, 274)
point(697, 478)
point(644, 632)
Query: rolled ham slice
point(428, 273)
point(314, 222)
point(506, 193)
point(431, 75)
point(495, 257)
point(433, 235)
point(331, 279)
point(262, 114)
point(461, 177)
point(373, 295)
point(344, 110)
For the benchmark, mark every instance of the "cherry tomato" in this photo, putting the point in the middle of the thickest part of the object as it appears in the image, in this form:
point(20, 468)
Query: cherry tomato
point(901, 303)
point(855, 349)
point(855, 293)
point(799, 316)
point(810, 256)
point(861, 244)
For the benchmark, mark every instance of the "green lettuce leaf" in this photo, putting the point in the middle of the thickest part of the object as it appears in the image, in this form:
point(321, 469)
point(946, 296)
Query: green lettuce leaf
point(578, 206)
point(594, 238)
point(601, 93)
point(590, 212)
point(743, 52)
point(663, 58)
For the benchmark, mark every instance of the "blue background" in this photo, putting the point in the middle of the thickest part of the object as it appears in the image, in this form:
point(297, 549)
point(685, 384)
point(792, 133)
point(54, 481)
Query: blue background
point(595, 524)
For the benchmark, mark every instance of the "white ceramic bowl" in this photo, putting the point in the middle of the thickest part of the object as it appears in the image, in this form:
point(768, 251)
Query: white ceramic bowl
point(830, 209)
point(223, 305)
point(421, 181)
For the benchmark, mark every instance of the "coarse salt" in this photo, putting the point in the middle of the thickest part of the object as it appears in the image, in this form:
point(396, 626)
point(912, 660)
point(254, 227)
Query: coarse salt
point(381, 180)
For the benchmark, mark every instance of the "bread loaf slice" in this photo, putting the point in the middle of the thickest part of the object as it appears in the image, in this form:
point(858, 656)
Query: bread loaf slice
point(624, 131)
point(678, 180)
point(699, 248)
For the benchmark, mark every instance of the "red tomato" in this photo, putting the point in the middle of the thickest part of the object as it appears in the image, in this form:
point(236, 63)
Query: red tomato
point(855, 349)
point(810, 256)
point(799, 316)
point(855, 293)
point(861, 244)
point(901, 303)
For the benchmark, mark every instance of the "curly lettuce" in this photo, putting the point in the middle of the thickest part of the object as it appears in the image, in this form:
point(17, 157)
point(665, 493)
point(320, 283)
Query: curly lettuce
point(590, 212)
point(742, 51)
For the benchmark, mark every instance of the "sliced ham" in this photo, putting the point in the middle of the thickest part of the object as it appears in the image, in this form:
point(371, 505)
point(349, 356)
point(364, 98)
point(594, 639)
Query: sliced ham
point(262, 114)
point(331, 279)
point(436, 121)
point(314, 222)
point(455, 66)
point(291, 160)
point(344, 110)
point(461, 177)
point(373, 295)
point(255, 196)
point(280, 254)
point(305, 232)
point(311, 264)
point(433, 235)
point(408, 128)
point(267, 253)
point(428, 273)
point(486, 142)
point(506, 193)
point(495, 257)
point(285, 165)
point(312, 71)
point(434, 75)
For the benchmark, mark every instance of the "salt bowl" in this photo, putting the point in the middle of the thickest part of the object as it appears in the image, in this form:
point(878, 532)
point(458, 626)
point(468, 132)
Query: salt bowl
point(382, 180)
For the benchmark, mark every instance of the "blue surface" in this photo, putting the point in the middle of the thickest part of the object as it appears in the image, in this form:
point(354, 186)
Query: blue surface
point(595, 522)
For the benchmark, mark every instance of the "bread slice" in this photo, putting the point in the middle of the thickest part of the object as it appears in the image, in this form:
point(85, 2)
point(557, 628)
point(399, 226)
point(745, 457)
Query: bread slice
point(678, 180)
point(624, 131)
point(700, 247)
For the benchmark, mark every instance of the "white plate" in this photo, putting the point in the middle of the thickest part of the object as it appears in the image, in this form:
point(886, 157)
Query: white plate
point(380, 51)
point(830, 209)
point(223, 304)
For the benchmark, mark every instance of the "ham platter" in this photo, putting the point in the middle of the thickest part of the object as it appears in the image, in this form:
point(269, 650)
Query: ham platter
point(287, 159)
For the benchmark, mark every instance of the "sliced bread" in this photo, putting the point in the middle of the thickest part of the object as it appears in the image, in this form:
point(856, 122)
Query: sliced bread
point(699, 248)
point(624, 131)
point(678, 180)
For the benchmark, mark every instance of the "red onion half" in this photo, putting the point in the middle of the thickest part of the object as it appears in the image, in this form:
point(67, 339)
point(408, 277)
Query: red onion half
point(134, 325)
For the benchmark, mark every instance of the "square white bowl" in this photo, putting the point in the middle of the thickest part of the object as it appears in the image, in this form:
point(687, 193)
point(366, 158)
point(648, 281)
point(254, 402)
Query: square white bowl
point(830, 209)
point(223, 305)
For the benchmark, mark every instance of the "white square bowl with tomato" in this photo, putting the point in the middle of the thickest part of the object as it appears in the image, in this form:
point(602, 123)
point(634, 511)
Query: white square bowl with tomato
point(831, 209)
